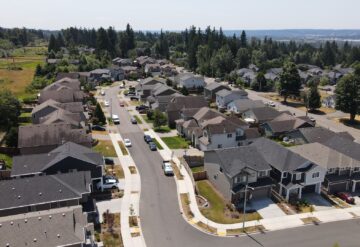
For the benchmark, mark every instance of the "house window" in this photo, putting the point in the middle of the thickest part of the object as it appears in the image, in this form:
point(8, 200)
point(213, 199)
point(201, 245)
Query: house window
point(242, 179)
point(229, 135)
point(316, 175)
point(262, 174)
point(298, 176)
point(331, 170)
point(356, 169)
point(219, 146)
point(284, 175)
point(221, 170)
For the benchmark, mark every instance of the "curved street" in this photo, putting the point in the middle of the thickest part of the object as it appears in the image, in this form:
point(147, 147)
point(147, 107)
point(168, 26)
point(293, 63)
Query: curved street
point(163, 225)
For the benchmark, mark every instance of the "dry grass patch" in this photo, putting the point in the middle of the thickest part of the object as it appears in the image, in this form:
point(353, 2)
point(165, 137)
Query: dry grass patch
point(96, 132)
point(110, 233)
point(133, 221)
point(123, 148)
point(106, 148)
point(185, 202)
point(135, 234)
point(206, 227)
point(311, 220)
point(132, 169)
point(250, 229)
point(177, 172)
point(115, 170)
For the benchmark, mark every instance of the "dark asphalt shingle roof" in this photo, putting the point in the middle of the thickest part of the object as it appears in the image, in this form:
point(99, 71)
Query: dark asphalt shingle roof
point(182, 102)
point(265, 113)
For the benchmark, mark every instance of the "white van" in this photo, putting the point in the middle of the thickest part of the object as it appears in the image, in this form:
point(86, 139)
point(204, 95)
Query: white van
point(115, 119)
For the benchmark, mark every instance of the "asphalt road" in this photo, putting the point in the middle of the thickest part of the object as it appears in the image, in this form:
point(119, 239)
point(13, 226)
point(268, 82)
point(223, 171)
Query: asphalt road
point(164, 226)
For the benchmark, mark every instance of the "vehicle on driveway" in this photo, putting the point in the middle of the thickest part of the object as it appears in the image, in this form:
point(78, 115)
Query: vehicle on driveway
point(141, 107)
point(143, 111)
point(107, 103)
point(109, 161)
point(152, 146)
point(168, 170)
point(115, 119)
point(347, 197)
point(121, 104)
point(134, 98)
point(102, 92)
point(147, 138)
point(98, 128)
point(108, 183)
point(133, 120)
point(271, 103)
point(127, 142)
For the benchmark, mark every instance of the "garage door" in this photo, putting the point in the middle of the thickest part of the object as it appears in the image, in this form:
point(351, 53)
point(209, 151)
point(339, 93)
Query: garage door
point(337, 187)
point(260, 193)
point(309, 189)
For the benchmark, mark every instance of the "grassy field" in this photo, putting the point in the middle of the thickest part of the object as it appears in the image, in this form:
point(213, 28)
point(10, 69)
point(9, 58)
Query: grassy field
point(17, 80)
point(197, 169)
point(139, 121)
point(146, 119)
point(218, 211)
point(106, 148)
point(175, 142)
point(158, 145)
point(123, 148)
point(7, 159)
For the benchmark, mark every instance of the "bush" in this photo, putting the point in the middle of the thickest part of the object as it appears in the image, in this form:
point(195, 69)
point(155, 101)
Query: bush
point(11, 138)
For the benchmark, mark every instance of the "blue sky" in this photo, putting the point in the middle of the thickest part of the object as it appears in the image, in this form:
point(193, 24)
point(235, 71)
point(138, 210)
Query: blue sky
point(179, 14)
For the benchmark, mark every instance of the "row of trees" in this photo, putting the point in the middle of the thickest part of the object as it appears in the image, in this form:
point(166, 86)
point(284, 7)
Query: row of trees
point(20, 36)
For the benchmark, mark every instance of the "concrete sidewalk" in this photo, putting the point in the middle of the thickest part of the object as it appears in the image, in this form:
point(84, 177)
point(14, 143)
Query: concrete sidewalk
point(277, 222)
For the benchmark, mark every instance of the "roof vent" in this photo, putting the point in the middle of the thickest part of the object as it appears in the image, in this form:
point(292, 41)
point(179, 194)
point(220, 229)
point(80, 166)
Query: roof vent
point(63, 214)
point(19, 196)
point(40, 193)
point(0, 225)
point(39, 218)
point(50, 216)
point(25, 220)
point(12, 223)
point(60, 190)
point(13, 188)
point(7, 244)
point(35, 239)
point(58, 235)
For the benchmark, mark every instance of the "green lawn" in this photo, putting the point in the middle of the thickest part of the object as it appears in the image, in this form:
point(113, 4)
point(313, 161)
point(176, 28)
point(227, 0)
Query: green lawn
point(162, 129)
point(197, 169)
point(158, 145)
point(25, 114)
point(144, 116)
point(138, 119)
point(106, 148)
point(8, 160)
point(175, 142)
point(218, 211)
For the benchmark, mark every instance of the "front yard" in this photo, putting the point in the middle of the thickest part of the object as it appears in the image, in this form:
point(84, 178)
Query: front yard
point(109, 232)
point(8, 160)
point(175, 142)
point(219, 210)
point(106, 148)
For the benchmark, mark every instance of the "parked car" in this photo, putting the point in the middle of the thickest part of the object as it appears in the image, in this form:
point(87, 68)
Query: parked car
point(312, 119)
point(131, 93)
point(152, 146)
point(346, 197)
point(127, 142)
point(143, 111)
point(133, 120)
point(271, 103)
point(108, 183)
point(115, 119)
point(147, 138)
point(168, 170)
point(122, 104)
point(102, 92)
point(141, 107)
point(134, 98)
point(109, 161)
point(98, 128)
point(107, 103)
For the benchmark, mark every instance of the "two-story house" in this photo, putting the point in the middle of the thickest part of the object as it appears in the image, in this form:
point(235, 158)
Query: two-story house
point(231, 168)
point(189, 81)
point(224, 97)
point(294, 175)
point(239, 106)
point(212, 88)
point(260, 115)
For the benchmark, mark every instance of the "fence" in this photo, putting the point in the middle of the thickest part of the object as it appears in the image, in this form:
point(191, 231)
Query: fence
point(9, 151)
point(194, 161)
point(193, 176)
point(5, 174)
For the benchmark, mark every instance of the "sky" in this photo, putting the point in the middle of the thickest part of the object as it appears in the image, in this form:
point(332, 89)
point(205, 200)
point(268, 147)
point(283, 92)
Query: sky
point(180, 14)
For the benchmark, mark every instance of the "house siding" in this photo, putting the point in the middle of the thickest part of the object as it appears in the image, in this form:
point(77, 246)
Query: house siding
point(218, 179)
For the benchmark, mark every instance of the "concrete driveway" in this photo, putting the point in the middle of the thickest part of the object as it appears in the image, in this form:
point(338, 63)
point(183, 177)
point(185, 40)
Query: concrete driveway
point(266, 208)
point(319, 203)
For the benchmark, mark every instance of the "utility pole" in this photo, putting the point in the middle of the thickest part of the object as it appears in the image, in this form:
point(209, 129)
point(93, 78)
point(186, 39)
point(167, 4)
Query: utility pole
point(245, 193)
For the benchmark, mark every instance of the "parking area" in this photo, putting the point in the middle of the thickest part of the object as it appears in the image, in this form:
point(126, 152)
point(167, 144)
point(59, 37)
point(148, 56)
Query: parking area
point(318, 202)
point(266, 208)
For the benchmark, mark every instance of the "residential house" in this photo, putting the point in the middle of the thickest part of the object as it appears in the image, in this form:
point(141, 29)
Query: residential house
point(37, 193)
point(50, 106)
point(179, 103)
point(285, 123)
point(55, 227)
point(342, 171)
point(231, 168)
point(294, 175)
point(329, 101)
point(260, 115)
point(146, 86)
point(116, 73)
point(224, 97)
point(152, 68)
point(189, 81)
point(161, 102)
point(315, 71)
point(64, 159)
point(212, 88)
point(63, 116)
point(42, 138)
point(168, 70)
point(131, 71)
point(71, 75)
point(143, 60)
point(273, 74)
point(66, 82)
point(239, 106)
point(122, 61)
point(100, 75)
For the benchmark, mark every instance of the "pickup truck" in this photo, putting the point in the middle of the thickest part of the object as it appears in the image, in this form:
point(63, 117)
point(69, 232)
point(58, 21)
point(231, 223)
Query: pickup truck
point(168, 170)
point(115, 119)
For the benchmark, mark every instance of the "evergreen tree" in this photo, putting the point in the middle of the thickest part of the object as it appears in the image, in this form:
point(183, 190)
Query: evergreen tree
point(184, 91)
point(38, 70)
point(261, 81)
point(242, 58)
point(290, 82)
point(9, 109)
point(99, 115)
point(52, 44)
point(243, 39)
point(102, 40)
point(160, 119)
point(328, 55)
point(313, 98)
point(60, 41)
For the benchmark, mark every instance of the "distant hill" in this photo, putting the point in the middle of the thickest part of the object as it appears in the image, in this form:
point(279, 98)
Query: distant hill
point(303, 34)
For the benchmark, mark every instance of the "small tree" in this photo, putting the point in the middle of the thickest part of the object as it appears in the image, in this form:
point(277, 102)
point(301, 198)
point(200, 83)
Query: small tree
point(38, 70)
point(261, 81)
point(184, 91)
point(11, 138)
point(290, 81)
point(160, 119)
point(99, 115)
point(313, 98)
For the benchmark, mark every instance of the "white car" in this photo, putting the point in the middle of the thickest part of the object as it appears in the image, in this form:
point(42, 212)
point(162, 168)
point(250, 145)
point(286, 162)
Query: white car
point(107, 103)
point(271, 103)
point(108, 184)
point(168, 170)
point(102, 92)
point(127, 142)
point(115, 119)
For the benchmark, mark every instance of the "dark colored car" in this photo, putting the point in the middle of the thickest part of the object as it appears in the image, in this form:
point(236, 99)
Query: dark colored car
point(98, 128)
point(346, 197)
point(143, 111)
point(152, 146)
point(147, 138)
point(133, 120)
point(141, 107)
point(109, 161)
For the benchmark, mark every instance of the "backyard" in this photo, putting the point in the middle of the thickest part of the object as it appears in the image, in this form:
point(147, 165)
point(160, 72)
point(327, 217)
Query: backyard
point(219, 210)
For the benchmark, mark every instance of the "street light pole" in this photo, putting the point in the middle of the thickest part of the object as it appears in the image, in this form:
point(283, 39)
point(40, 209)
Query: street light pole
point(245, 194)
